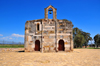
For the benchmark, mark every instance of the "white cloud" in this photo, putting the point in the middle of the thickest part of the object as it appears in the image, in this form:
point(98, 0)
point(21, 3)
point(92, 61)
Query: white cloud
point(1, 35)
point(10, 38)
point(17, 35)
point(4, 38)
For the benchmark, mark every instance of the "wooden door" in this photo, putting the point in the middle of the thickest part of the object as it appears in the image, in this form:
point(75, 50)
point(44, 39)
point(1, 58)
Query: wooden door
point(37, 45)
point(61, 45)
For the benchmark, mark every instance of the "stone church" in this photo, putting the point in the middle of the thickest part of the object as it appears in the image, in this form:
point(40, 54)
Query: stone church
point(48, 35)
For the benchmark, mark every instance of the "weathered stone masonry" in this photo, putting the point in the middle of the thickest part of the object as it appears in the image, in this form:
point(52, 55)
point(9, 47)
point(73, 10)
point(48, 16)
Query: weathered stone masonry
point(48, 35)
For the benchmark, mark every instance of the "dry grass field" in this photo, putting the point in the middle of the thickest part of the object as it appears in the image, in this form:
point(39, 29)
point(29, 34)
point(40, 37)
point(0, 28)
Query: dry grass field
point(79, 57)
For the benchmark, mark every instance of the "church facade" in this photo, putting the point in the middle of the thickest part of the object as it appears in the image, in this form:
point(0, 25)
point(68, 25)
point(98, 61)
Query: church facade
point(48, 35)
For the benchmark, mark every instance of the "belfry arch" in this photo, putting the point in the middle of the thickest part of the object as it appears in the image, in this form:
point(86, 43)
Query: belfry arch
point(54, 12)
point(50, 13)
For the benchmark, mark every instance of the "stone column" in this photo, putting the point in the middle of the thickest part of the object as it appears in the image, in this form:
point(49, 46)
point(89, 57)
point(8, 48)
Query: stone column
point(26, 39)
point(72, 40)
point(57, 46)
point(54, 14)
point(56, 35)
point(46, 13)
point(42, 37)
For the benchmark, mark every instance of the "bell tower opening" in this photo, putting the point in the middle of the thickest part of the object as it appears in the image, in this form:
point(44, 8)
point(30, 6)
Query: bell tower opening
point(50, 13)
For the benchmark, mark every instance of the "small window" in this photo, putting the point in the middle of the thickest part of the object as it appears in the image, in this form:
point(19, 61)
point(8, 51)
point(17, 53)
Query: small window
point(38, 27)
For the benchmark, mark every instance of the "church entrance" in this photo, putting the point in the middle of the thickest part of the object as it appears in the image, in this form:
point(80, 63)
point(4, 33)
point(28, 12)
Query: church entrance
point(37, 45)
point(61, 45)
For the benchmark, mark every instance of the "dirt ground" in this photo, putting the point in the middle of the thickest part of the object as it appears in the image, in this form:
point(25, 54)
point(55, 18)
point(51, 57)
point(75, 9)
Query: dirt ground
point(79, 57)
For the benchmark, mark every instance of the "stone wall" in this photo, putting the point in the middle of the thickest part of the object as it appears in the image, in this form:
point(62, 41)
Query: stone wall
point(49, 35)
point(48, 32)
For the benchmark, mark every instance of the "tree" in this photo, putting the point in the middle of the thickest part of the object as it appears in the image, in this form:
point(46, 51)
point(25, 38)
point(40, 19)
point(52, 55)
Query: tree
point(76, 31)
point(97, 40)
point(87, 38)
point(64, 19)
point(79, 40)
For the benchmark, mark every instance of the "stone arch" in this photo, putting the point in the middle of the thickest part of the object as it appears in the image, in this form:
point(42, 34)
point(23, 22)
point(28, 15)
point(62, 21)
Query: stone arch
point(61, 45)
point(37, 45)
point(50, 13)
point(54, 12)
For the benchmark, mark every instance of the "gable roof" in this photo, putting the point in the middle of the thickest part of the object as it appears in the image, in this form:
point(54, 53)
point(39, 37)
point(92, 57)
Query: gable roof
point(50, 6)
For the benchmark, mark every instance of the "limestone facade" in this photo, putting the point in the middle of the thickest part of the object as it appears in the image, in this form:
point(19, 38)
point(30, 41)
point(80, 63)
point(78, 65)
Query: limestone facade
point(48, 35)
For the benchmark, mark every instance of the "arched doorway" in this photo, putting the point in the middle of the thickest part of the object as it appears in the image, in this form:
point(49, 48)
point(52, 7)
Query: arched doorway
point(37, 45)
point(61, 45)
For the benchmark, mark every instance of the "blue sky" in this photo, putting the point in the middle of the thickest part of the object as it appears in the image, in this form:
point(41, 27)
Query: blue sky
point(84, 14)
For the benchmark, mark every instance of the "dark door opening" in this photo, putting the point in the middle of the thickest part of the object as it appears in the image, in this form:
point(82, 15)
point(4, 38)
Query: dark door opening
point(61, 45)
point(37, 45)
